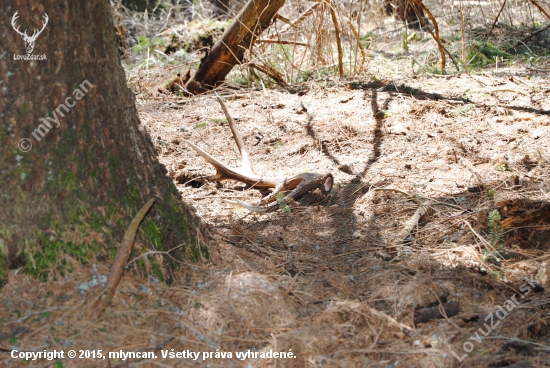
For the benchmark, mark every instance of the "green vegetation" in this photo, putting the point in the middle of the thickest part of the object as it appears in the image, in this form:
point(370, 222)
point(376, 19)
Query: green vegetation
point(368, 39)
point(145, 44)
point(154, 234)
point(497, 249)
point(495, 232)
point(480, 55)
point(218, 120)
point(501, 167)
point(47, 258)
point(282, 203)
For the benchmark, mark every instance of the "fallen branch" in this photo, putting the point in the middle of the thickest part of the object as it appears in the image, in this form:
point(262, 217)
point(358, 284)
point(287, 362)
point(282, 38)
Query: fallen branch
point(300, 18)
point(282, 42)
point(252, 20)
point(423, 210)
point(120, 261)
point(270, 72)
point(298, 184)
point(439, 309)
point(527, 219)
point(414, 197)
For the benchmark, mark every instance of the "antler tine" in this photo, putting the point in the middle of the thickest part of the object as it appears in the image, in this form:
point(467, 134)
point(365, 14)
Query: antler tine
point(246, 162)
point(225, 172)
point(249, 207)
point(219, 166)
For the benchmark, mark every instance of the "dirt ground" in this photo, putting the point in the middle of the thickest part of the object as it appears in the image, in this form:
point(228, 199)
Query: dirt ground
point(332, 279)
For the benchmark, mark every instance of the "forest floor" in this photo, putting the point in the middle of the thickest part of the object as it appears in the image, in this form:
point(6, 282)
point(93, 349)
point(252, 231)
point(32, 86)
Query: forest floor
point(331, 279)
point(320, 277)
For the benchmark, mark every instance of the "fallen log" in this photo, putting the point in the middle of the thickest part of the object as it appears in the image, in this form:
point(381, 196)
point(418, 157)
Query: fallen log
point(229, 51)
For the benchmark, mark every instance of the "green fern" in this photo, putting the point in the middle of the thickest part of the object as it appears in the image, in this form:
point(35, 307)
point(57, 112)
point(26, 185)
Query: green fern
point(496, 237)
point(495, 232)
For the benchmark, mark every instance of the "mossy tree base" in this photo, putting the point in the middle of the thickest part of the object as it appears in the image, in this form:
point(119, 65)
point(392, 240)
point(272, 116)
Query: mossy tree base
point(91, 165)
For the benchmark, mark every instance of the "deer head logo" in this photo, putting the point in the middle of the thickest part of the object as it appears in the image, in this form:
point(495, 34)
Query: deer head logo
point(29, 40)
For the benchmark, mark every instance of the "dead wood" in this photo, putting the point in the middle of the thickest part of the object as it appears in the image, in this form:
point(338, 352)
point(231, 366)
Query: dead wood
point(175, 84)
point(528, 219)
point(402, 236)
point(494, 23)
point(434, 310)
point(298, 184)
point(282, 42)
point(424, 209)
point(337, 33)
point(270, 72)
point(120, 261)
point(435, 33)
point(540, 8)
point(229, 51)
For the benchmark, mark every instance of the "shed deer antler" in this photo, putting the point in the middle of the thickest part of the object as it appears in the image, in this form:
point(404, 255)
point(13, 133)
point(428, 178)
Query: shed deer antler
point(29, 40)
point(298, 184)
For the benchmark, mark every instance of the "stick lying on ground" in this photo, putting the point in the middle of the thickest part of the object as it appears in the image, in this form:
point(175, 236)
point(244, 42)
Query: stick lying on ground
point(120, 260)
point(298, 184)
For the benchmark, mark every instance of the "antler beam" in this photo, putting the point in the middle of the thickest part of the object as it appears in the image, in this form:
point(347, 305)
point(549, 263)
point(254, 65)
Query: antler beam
point(298, 184)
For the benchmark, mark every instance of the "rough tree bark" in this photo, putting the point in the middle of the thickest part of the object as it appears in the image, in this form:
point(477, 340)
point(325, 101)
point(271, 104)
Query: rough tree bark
point(92, 165)
point(251, 21)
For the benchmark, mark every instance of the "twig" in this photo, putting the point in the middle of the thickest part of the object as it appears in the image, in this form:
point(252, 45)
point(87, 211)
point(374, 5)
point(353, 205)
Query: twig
point(359, 45)
point(435, 36)
point(540, 8)
point(482, 239)
point(415, 199)
point(463, 38)
point(338, 41)
point(154, 252)
point(120, 261)
point(300, 18)
point(421, 212)
point(495, 22)
point(436, 28)
point(282, 42)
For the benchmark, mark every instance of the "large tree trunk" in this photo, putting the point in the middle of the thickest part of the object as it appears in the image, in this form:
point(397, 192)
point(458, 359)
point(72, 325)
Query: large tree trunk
point(88, 172)
point(251, 21)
